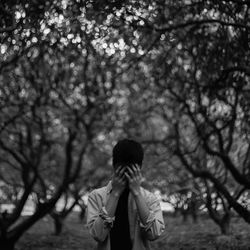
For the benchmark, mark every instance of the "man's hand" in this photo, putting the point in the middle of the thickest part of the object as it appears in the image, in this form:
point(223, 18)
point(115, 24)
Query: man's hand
point(134, 176)
point(118, 181)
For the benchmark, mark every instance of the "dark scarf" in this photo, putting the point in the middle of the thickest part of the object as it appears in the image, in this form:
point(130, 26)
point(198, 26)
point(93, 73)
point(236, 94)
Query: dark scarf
point(119, 234)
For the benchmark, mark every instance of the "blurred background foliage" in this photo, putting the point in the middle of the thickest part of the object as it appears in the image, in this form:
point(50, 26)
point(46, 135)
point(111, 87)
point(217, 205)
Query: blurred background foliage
point(76, 76)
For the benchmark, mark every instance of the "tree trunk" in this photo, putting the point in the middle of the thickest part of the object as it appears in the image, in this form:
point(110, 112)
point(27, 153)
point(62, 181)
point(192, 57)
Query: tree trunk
point(225, 225)
point(7, 244)
point(176, 211)
point(184, 213)
point(82, 214)
point(58, 224)
point(194, 215)
point(193, 211)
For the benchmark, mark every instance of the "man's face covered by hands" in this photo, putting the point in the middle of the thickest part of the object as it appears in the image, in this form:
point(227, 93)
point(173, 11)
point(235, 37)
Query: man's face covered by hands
point(126, 168)
point(127, 162)
point(120, 169)
point(127, 176)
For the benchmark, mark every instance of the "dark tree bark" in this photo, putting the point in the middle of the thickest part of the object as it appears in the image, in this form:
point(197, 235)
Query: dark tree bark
point(7, 244)
point(58, 223)
point(184, 213)
point(10, 235)
point(194, 211)
point(225, 224)
point(222, 220)
point(60, 216)
point(82, 212)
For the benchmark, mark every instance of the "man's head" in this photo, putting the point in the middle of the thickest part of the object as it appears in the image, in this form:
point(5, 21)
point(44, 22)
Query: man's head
point(127, 152)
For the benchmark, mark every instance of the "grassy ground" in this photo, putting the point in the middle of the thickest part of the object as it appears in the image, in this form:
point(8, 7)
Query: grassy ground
point(178, 235)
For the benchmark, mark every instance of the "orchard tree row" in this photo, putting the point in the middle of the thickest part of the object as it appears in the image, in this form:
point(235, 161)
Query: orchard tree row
point(77, 75)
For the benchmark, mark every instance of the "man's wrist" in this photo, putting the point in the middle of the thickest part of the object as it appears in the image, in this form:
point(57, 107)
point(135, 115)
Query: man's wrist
point(136, 193)
point(115, 194)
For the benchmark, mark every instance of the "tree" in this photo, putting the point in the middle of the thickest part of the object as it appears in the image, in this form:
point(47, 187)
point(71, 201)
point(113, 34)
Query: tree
point(197, 78)
point(203, 86)
point(68, 68)
point(218, 209)
point(95, 172)
point(56, 99)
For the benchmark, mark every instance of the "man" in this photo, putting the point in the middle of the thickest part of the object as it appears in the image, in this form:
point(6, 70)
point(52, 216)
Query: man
point(123, 215)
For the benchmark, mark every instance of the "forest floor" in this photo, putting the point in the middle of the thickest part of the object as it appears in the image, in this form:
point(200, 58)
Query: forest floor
point(203, 235)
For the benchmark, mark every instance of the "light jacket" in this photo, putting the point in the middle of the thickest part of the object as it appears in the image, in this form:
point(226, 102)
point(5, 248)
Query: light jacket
point(99, 223)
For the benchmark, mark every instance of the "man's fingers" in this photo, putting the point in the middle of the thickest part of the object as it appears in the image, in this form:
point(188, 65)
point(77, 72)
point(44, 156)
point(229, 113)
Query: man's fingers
point(121, 176)
point(130, 171)
point(124, 179)
point(138, 170)
point(128, 176)
point(138, 167)
point(119, 171)
point(134, 169)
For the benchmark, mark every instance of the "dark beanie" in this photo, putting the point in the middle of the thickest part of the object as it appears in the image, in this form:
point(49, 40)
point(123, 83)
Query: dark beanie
point(127, 151)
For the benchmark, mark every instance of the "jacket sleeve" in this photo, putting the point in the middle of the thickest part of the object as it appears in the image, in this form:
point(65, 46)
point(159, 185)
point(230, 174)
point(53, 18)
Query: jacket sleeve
point(155, 225)
point(98, 221)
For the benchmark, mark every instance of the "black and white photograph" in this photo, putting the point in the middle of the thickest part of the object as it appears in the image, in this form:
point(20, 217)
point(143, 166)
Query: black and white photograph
point(124, 125)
